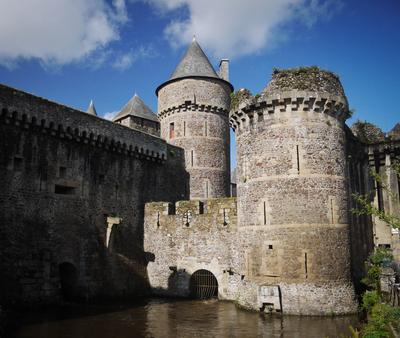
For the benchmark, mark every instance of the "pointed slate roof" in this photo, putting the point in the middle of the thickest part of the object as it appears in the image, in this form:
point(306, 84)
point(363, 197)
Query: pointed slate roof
point(193, 64)
point(136, 107)
point(91, 109)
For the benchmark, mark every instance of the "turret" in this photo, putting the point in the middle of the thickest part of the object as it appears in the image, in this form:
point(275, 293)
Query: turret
point(137, 115)
point(193, 108)
point(91, 109)
point(293, 197)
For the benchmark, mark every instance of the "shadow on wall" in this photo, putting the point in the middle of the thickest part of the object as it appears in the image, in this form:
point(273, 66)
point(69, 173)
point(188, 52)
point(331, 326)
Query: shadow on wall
point(202, 284)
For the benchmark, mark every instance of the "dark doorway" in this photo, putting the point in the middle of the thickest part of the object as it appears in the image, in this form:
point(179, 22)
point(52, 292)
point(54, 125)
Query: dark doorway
point(203, 285)
point(69, 281)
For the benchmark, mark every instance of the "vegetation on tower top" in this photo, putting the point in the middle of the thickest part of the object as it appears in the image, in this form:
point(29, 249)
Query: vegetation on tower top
point(311, 78)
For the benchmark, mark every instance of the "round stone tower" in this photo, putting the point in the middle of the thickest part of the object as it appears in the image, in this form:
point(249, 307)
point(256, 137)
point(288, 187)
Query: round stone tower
point(292, 191)
point(193, 108)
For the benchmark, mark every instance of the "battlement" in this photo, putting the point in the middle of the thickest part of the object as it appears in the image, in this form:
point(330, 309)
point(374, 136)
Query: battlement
point(27, 111)
point(252, 110)
point(211, 213)
point(192, 106)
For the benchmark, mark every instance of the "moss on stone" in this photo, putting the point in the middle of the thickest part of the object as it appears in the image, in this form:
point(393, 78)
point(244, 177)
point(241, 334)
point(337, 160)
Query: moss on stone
point(304, 78)
point(367, 132)
point(240, 96)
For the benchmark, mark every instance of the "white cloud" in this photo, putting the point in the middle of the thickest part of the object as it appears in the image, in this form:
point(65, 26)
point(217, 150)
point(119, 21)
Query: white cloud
point(57, 32)
point(229, 28)
point(125, 60)
point(110, 115)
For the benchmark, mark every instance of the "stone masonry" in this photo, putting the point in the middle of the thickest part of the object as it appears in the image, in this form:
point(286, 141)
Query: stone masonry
point(193, 110)
point(92, 208)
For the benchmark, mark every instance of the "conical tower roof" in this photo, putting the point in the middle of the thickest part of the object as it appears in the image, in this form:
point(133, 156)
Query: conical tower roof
point(193, 64)
point(136, 107)
point(91, 109)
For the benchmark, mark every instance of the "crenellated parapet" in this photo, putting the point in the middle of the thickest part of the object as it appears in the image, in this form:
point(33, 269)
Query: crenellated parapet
point(217, 213)
point(253, 111)
point(192, 106)
point(39, 115)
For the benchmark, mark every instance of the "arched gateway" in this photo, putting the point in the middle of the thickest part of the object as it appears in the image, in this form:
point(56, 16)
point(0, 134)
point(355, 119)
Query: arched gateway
point(203, 285)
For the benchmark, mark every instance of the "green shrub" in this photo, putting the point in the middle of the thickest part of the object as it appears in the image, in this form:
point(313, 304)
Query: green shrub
point(369, 299)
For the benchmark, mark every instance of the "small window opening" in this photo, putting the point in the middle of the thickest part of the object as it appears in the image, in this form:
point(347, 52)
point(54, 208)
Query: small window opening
point(158, 219)
point(298, 159)
point(171, 130)
point(207, 192)
point(18, 163)
point(380, 196)
point(205, 129)
point(191, 157)
point(384, 246)
point(184, 128)
point(64, 190)
point(398, 187)
point(305, 264)
point(332, 219)
point(270, 246)
point(265, 213)
point(226, 217)
point(62, 172)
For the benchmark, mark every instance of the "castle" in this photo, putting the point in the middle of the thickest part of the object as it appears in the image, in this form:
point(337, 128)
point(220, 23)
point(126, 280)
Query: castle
point(93, 208)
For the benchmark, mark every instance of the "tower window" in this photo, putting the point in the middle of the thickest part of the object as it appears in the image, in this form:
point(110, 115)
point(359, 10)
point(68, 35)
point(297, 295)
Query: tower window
point(184, 128)
point(62, 173)
point(298, 159)
point(171, 130)
point(205, 128)
point(192, 157)
point(207, 188)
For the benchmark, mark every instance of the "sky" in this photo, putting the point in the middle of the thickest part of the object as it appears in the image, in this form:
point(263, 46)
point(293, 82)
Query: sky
point(74, 51)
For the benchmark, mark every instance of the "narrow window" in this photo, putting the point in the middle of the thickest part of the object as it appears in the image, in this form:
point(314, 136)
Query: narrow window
point(62, 172)
point(184, 128)
point(171, 130)
point(64, 190)
point(270, 246)
point(191, 157)
point(298, 159)
point(265, 213)
point(206, 188)
point(158, 219)
point(305, 264)
point(205, 128)
point(18, 163)
point(379, 191)
point(332, 220)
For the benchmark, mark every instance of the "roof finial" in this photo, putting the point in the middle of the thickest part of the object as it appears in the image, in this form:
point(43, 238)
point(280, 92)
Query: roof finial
point(194, 37)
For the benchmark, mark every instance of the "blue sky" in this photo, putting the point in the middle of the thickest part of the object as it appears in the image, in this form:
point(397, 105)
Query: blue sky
point(72, 51)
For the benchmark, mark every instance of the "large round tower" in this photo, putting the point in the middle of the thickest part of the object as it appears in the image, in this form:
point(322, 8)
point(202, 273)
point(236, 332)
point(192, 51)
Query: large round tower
point(193, 108)
point(292, 192)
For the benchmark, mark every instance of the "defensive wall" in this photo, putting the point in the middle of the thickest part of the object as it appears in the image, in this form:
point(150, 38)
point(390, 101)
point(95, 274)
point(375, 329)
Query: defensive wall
point(73, 189)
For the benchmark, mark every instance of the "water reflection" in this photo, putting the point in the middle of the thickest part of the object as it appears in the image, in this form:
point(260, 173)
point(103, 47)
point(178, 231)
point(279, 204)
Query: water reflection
point(166, 318)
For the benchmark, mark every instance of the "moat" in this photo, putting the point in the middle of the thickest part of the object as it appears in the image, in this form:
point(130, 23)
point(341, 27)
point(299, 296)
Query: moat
point(166, 318)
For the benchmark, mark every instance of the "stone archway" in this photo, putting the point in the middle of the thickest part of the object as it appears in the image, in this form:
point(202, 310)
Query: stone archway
point(203, 285)
point(69, 281)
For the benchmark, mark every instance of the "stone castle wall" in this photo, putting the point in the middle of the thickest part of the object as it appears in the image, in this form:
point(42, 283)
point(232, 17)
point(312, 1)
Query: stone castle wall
point(293, 198)
point(73, 191)
point(198, 110)
point(186, 237)
point(138, 123)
